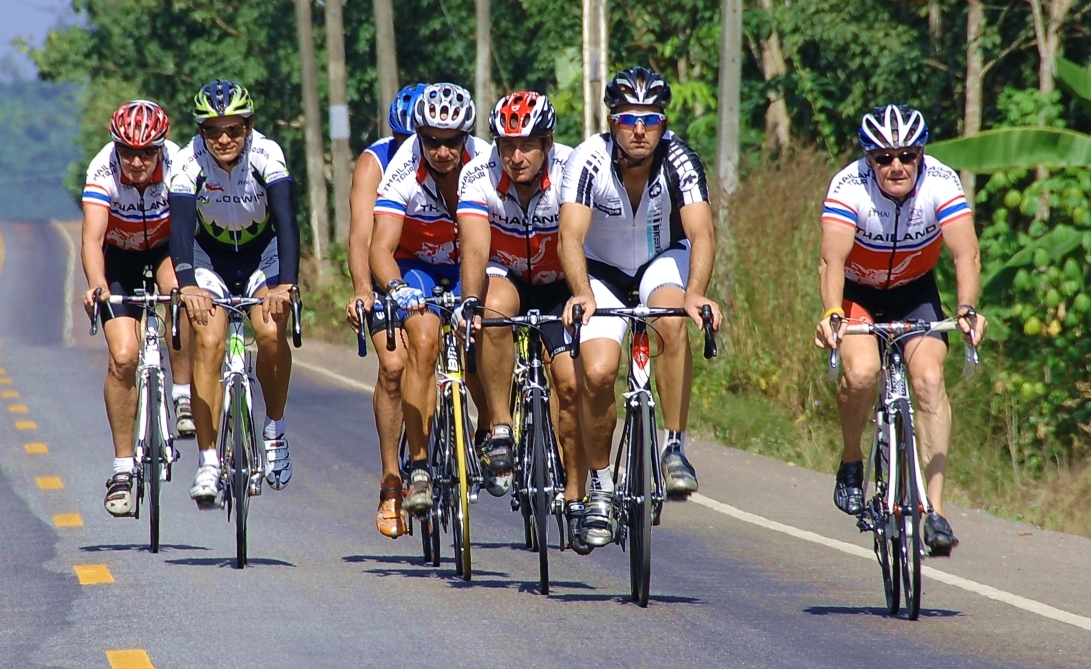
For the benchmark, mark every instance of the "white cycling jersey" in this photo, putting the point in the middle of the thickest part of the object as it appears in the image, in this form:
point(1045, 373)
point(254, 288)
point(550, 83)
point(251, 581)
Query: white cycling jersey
point(896, 242)
point(138, 221)
point(232, 208)
point(409, 192)
point(619, 236)
point(524, 241)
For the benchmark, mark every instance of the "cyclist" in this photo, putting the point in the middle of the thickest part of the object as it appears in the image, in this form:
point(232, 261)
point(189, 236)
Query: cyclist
point(883, 222)
point(390, 518)
point(635, 219)
point(126, 225)
point(508, 215)
point(235, 233)
point(414, 248)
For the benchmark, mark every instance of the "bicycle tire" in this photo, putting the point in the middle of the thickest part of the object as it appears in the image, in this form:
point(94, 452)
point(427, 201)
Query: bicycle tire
point(541, 502)
point(153, 452)
point(910, 547)
point(640, 507)
point(240, 475)
point(885, 543)
point(462, 499)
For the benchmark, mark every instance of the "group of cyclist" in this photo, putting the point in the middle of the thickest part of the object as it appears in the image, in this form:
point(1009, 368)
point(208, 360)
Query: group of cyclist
point(516, 223)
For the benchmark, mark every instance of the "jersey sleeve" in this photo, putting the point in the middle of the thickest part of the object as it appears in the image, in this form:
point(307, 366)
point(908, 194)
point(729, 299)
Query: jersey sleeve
point(841, 205)
point(393, 191)
point(950, 199)
point(184, 172)
point(473, 196)
point(580, 173)
point(689, 173)
point(100, 181)
point(274, 168)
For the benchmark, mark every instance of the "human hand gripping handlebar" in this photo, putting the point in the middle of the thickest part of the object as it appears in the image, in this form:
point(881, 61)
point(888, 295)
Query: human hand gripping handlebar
point(361, 338)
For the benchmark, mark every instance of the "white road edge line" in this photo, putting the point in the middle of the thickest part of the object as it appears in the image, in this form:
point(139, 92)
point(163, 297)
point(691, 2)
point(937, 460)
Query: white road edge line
point(1018, 602)
point(69, 269)
point(1030, 605)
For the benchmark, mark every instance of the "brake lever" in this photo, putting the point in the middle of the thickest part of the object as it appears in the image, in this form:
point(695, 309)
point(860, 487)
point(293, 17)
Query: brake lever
point(711, 351)
point(297, 308)
point(175, 312)
point(361, 338)
point(970, 357)
point(577, 324)
point(94, 311)
point(389, 311)
point(835, 355)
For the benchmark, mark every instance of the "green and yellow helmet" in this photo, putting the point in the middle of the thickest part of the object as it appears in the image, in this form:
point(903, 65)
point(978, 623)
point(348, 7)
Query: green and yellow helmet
point(222, 98)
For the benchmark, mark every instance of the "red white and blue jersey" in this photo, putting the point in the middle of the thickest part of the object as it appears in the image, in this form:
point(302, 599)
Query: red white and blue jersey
point(138, 221)
point(895, 242)
point(524, 241)
point(409, 192)
point(383, 150)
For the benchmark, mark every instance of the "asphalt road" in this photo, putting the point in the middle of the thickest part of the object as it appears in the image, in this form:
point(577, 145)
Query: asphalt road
point(758, 571)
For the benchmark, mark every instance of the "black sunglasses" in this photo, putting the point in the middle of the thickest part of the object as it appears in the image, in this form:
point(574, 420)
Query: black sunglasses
point(905, 157)
point(129, 153)
point(234, 131)
point(434, 143)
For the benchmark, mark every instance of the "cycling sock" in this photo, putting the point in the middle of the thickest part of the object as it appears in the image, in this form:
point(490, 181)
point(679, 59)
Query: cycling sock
point(418, 464)
point(208, 458)
point(675, 442)
point(601, 480)
point(179, 390)
point(274, 429)
point(124, 465)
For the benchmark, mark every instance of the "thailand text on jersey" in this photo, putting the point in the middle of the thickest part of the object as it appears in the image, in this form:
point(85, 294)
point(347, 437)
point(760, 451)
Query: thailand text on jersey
point(232, 208)
point(895, 242)
point(138, 221)
point(524, 241)
point(619, 236)
point(409, 192)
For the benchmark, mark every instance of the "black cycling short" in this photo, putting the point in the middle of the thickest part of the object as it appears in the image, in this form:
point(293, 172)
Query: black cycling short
point(918, 299)
point(125, 275)
point(548, 298)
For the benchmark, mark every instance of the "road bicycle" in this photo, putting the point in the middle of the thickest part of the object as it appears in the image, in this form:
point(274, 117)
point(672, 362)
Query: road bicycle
point(538, 479)
point(242, 464)
point(893, 513)
point(153, 444)
point(639, 488)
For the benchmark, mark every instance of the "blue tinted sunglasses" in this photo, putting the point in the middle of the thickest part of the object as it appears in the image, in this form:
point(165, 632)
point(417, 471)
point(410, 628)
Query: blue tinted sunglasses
point(649, 119)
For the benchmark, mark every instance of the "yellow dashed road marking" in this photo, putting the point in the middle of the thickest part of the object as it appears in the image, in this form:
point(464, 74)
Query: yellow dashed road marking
point(26, 425)
point(49, 482)
point(93, 574)
point(9, 394)
point(5, 381)
point(129, 659)
point(36, 449)
point(17, 408)
point(68, 520)
point(3, 372)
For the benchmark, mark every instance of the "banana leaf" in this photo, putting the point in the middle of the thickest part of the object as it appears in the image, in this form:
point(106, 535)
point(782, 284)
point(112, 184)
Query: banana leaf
point(1075, 80)
point(1013, 148)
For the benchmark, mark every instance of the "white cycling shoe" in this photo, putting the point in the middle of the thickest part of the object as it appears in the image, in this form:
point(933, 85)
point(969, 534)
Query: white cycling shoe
point(278, 463)
point(206, 487)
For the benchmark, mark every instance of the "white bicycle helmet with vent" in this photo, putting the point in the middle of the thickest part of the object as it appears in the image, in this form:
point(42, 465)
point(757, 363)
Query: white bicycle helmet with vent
point(444, 106)
point(893, 127)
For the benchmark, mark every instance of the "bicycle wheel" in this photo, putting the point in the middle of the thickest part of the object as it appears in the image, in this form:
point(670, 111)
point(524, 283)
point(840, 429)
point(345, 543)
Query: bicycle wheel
point(640, 506)
point(462, 482)
point(153, 452)
point(909, 503)
point(885, 544)
point(541, 499)
point(240, 474)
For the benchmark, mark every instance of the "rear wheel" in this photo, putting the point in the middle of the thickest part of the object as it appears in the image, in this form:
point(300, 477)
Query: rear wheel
point(541, 497)
point(153, 452)
point(640, 503)
point(910, 546)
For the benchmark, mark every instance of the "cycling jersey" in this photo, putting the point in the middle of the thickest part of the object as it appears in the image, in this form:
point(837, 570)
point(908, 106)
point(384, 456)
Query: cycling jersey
point(896, 242)
point(233, 210)
point(524, 241)
point(138, 221)
point(409, 192)
point(619, 236)
point(383, 150)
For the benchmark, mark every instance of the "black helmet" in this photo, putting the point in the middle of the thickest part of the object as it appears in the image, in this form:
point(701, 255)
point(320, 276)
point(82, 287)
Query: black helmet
point(637, 86)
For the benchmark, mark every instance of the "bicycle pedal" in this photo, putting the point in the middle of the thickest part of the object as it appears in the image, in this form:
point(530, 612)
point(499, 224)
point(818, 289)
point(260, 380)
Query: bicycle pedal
point(514, 503)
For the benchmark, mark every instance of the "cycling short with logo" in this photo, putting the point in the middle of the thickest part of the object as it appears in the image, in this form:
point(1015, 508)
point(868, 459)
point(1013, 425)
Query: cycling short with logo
point(125, 275)
point(548, 298)
point(242, 274)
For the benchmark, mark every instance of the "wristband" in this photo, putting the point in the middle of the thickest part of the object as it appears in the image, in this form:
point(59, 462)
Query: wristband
point(968, 308)
point(832, 311)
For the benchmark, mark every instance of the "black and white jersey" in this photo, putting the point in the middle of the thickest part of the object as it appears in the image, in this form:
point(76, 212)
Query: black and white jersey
point(619, 236)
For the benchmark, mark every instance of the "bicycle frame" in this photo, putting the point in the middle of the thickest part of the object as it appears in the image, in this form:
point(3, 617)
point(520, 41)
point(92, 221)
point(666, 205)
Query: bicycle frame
point(640, 392)
point(237, 374)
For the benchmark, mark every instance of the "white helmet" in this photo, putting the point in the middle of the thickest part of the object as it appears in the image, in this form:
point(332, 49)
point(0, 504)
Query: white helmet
point(893, 127)
point(444, 106)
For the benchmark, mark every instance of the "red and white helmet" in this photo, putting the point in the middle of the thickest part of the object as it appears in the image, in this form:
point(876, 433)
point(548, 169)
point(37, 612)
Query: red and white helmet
point(523, 114)
point(140, 124)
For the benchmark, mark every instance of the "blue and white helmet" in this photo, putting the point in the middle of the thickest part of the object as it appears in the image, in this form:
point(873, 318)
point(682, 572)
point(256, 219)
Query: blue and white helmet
point(401, 109)
point(893, 127)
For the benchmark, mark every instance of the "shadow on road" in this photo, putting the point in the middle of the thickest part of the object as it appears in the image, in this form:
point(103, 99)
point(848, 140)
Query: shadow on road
point(878, 611)
point(229, 562)
point(139, 548)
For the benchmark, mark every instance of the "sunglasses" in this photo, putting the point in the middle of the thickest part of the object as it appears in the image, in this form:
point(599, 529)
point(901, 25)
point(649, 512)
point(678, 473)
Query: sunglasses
point(434, 143)
point(649, 119)
point(234, 131)
point(129, 153)
point(904, 157)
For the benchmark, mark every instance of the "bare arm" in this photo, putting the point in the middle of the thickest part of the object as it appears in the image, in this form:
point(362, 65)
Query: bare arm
point(701, 233)
point(960, 238)
point(384, 242)
point(365, 185)
point(93, 236)
point(837, 241)
point(574, 226)
point(475, 240)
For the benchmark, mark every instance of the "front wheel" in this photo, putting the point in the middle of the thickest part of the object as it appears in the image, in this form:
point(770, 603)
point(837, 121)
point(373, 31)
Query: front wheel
point(909, 505)
point(541, 498)
point(640, 504)
point(153, 452)
point(240, 463)
point(462, 499)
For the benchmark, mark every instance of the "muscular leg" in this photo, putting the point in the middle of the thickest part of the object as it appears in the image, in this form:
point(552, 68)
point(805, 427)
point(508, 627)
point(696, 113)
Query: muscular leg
point(419, 381)
point(563, 407)
point(387, 404)
point(208, 358)
point(674, 368)
point(274, 363)
point(856, 394)
point(181, 361)
point(119, 389)
point(496, 361)
point(596, 371)
point(925, 356)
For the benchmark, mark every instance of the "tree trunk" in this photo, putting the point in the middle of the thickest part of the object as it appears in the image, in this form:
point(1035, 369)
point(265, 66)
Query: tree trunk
point(484, 96)
point(312, 133)
point(727, 155)
point(387, 58)
point(1047, 33)
point(778, 124)
point(595, 56)
point(339, 119)
point(975, 83)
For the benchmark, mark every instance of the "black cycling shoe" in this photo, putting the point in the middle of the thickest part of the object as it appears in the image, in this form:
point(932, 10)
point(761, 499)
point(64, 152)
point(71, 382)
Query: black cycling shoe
point(573, 513)
point(938, 535)
point(497, 453)
point(848, 494)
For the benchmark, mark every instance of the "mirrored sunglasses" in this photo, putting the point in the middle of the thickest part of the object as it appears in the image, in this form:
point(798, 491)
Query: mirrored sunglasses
point(649, 119)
